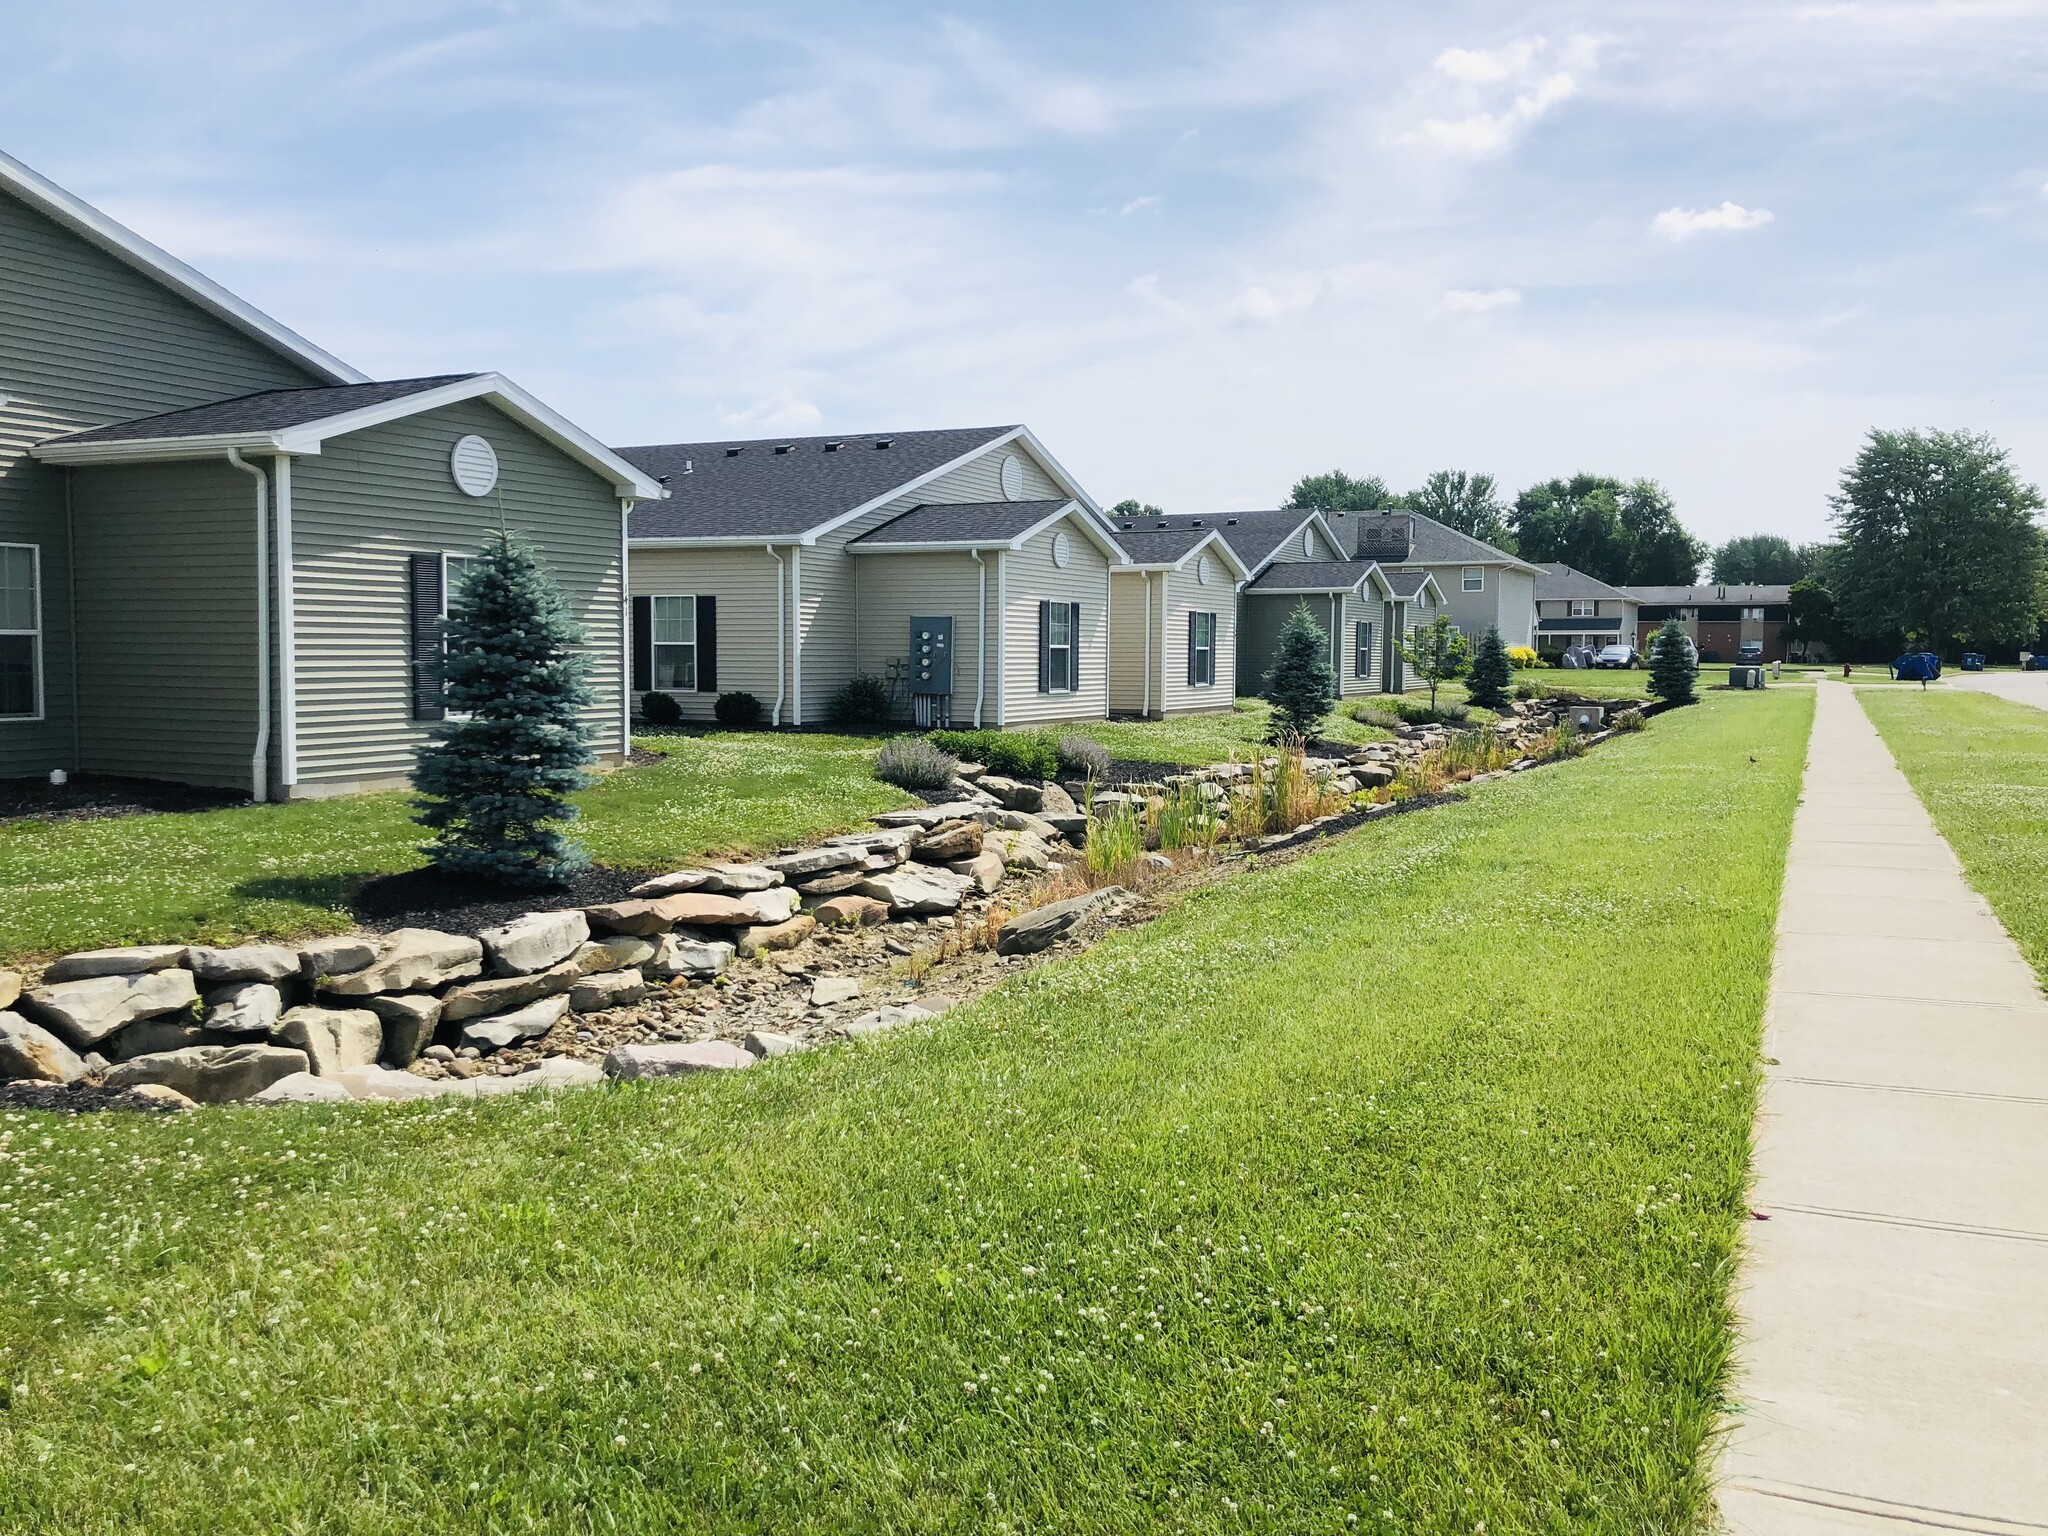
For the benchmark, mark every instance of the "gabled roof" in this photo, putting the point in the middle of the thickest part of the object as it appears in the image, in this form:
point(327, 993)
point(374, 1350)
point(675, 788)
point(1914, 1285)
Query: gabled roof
point(1312, 576)
point(124, 245)
point(978, 525)
point(1708, 596)
point(1405, 584)
point(301, 420)
point(1428, 541)
point(1255, 536)
point(1557, 582)
point(1170, 549)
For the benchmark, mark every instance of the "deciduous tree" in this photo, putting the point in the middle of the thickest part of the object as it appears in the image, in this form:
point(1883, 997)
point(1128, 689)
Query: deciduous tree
point(1467, 502)
point(1436, 652)
point(1338, 492)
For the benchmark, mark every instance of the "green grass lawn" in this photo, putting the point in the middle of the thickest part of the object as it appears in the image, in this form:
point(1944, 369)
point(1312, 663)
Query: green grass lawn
point(1401, 1183)
point(289, 869)
point(1979, 764)
point(1208, 738)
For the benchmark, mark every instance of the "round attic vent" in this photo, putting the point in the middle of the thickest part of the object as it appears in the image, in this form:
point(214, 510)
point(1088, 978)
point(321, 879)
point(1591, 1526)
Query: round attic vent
point(1013, 478)
point(1202, 571)
point(474, 464)
point(1062, 550)
point(1308, 543)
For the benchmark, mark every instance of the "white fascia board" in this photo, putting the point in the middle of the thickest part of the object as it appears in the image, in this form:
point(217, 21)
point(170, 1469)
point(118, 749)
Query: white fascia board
point(840, 520)
point(122, 243)
point(1058, 471)
point(158, 450)
point(722, 541)
point(1118, 560)
point(1090, 528)
point(1237, 565)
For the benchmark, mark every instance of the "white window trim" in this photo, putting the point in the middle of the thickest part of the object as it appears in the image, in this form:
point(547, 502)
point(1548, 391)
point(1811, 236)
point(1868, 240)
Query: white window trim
point(1472, 578)
point(1364, 640)
point(447, 598)
point(1059, 611)
point(1208, 650)
point(1584, 608)
point(35, 636)
point(653, 646)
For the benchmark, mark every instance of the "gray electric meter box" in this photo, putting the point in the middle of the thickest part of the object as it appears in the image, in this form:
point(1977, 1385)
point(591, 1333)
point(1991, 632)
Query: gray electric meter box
point(931, 655)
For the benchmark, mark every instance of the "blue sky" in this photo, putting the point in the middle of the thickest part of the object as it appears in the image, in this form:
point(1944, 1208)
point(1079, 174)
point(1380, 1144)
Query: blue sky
point(1202, 249)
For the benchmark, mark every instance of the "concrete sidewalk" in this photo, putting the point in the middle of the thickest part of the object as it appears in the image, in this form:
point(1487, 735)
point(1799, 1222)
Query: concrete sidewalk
point(2020, 687)
point(1893, 1370)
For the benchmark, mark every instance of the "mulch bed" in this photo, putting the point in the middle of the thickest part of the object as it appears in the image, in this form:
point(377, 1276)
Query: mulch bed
point(427, 898)
point(101, 797)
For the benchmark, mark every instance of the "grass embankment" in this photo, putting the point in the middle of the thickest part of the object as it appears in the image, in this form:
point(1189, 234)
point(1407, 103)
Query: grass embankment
point(1208, 738)
point(1401, 1183)
point(1979, 764)
point(290, 869)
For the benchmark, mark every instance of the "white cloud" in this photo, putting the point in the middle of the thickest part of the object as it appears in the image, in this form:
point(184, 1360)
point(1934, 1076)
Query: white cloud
point(1483, 67)
point(1472, 121)
point(1478, 301)
point(785, 409)
point(1729, 218)
point(1143, 204)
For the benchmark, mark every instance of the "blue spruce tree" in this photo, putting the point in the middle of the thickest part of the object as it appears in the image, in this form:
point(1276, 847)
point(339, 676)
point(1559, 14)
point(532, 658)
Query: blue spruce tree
point(495, 785)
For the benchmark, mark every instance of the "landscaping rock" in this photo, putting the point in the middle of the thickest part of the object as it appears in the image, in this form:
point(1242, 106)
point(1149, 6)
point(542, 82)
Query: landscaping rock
point(1015, 794)
point(1055, 801)
point(607, 989)
point(769, 936)
point(893, 1016)
point(827, 990)
point(243, 1008)
point(302, 1088)
point(957, 840)
point(620, 952)
point(812, 861)
point(475, 999)
point(152, 1036)
point(636, 1061)
point(1073, 828)
point(528, 1023)
point(1373, 775)
point(29, 1050)
point(928, 815)
point(891, 842)
point(10, 988)
point(335, 957)
point(410, 1019)
point(1029, 932)
point(211, 1074)
point(1023, 821)
point(534, 942)
point(985, 869)
point(375, 1084)
point(551, 1076)
point(411, 960)
point(851, 911)
point(87, 1012)
point(245, 962)
point(838, 880)
point(132, 960)
point(681, 955)
point(334, 1039)
point(776, 906)
point(766, 1042)
point(1158, 861)
point(734, 878)
point(1019, 850)
point(925, 889)
point(672, 884)
point(648, 918)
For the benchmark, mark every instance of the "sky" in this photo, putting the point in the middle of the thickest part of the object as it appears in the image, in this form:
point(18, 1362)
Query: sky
point(1200, 249)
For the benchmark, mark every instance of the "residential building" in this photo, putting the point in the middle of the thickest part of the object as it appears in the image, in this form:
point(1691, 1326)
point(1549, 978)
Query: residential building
point(1483, 587)
point(1720, 618)
point(225, 554)
point(1574, 610)
point(1173, 614)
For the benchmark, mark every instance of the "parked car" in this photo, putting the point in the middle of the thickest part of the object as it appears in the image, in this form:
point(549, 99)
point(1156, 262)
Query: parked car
point(1749, 653)
point(1618, 656)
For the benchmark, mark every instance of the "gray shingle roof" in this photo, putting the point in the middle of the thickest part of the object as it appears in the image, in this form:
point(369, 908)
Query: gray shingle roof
point(1429, 542)
point(1255, 537)
point(266, 412)
point(1405, 583)
point(971, 522)
point(1581, 625)
point(1158, 546)
point(1708, 596)
point(1310, 576)
point(1556, 583)
point(747, 489)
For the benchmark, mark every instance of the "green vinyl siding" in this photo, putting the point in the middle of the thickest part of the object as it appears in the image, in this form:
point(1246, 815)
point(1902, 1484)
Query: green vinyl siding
point(374, 497)
point(86, 339)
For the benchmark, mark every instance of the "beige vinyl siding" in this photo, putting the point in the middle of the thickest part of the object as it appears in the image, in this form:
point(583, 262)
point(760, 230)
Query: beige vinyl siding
point(1515, 611)
point(375, 497)
point(1185, 594)
point(1128, 623)
point(167, 621)
point(744, 582)
point(86, 340)
point(1030, 577)
point(891, 590)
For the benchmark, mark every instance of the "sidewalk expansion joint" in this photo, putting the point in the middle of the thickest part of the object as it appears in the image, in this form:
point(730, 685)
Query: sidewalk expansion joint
point(1889, 1509)
point(1920, 1223)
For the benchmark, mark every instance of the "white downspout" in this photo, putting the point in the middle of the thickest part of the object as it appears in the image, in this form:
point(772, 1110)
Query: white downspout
point(1002, 640)
point(796, 634)
point(1165, 640)
point(781, 639)
point(259, 760)
point(980, 633)
point(287, 634)
point(626, 631)
point(1145, 704)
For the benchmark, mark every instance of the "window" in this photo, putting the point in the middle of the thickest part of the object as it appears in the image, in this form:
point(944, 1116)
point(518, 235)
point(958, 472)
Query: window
point(1582, 607)
point(1474, 579)
point(675, 644)
point(1756, 614)
point(1361, 659)
point(1201, 650)
point(21, 633)
point(1059, 648)
point(454, 571)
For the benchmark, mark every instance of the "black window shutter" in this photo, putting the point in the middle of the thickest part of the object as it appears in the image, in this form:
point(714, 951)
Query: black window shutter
point(707, 645)
point(1194, 666)
point(1045, 647)
point(643, 644)
point(426, 660)
point(1073, 647)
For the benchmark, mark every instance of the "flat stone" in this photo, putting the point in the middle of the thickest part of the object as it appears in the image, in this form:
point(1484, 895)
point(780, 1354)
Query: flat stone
point(211, 1074)
point(1024, 821)
point(812, 861)
point(884, 1019)
point(957, 840)
point(766, 1042)
point(620, 951)
point(243, 1008)
point(551, 1076)
point(528, 1023)
point(827, 990)
point(10, 988)
point(87, 1012)
point(1073, 828)
point(474, 999)
point(985, 869)
point(411, 960)
point(132, 960)
point(928, 815)
point(607, 989)
point(1029, 932)
point(1019, 850)
point(776, 906)
point(835, 881)
point(896, 841)
point(334, 1039)
point(627, 1062)
point(913, 891)
point(245, 962)
point(770, 936)
point(734, 878)
point(657, 916)
point(335, 957)
point(302, 1088)
point(1014, 794)
point(385, 1085)
point(533, 942)
point(1055, 801)
point(681, 955)
point(673, 884)
point(410, 1019)
point(29, 1050)
point(851, 911)
point(151, 1036)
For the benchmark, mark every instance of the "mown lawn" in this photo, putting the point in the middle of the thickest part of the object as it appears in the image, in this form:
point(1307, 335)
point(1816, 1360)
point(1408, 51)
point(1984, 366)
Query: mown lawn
point(1979, 764)
point(1208, 738)
point(290, 869)
point(1394, 1190)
